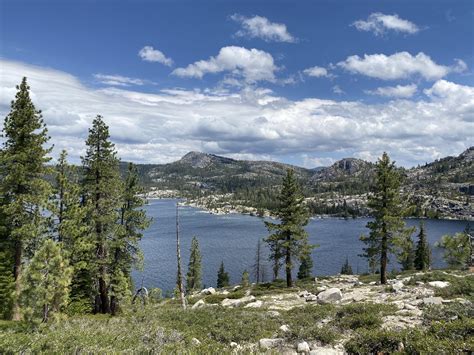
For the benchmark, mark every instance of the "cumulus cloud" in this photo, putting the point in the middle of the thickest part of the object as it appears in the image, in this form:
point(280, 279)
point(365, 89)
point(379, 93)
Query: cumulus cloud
point(337, 90)
point(150, 54)
point(379, 24)
point(119, 80)
point(401, 65)
point(251, 64)
point(253, 122)
point(316, 72)
point(399, 91)
point(261, 27)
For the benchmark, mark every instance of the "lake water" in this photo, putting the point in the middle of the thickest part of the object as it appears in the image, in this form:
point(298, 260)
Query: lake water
point(233, 239)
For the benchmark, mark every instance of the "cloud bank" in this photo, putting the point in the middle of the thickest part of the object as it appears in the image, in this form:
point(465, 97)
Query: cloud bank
point(251, 123)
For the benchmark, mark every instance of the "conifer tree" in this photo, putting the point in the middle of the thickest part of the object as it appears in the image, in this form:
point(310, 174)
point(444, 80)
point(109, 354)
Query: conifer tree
point(245, 282)
point(23, 191)
point(306, 263)
point(125, 251)
point(346, 268)
point(406, 251)
point(45, 287)
point(457, 249)
point(222, 277)
point(194, 275)
point(386, 208)
point(289, 235)
point(71, 229)
point(102, 197)
point(422, 253)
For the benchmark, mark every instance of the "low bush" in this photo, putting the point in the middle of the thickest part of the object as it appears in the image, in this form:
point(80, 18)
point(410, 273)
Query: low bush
point(363, 315)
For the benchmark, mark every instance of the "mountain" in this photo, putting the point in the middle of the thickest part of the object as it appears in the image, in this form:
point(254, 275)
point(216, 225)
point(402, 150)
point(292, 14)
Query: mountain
point(443, 188)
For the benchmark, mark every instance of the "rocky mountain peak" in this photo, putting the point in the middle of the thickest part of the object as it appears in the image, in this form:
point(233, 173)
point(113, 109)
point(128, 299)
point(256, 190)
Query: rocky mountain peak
point(203, 160)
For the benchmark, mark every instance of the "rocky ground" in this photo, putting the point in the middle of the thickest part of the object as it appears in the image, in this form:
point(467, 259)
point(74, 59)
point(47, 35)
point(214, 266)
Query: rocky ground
point(408, 296)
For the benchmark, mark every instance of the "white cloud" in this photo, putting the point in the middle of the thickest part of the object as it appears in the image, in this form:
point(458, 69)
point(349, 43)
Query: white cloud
point(261, 27)
point(400, 91)
point(401, 65)
point(251, 64)
point(316, 72)
point(379, 23)
point(119, 80)
point(150, 54)
point(253, 122)
point(337, 90)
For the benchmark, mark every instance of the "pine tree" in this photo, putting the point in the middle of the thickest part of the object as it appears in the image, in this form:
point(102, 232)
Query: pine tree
point(457, 249)
point(45, 287)
point(69, 215)
point(306, 263)
point(194, 275)
point(102, 195)
point(346, 268)
point(222, 277)
point(245, 282)
point(125, 251)
point(386, 208)
point(422, 253)
point(288, 237)
point(23, 191)
point(406, 251)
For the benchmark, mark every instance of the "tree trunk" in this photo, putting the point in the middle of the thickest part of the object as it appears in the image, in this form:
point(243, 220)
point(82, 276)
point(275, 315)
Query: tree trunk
point(103, 293)
point(289, 280)
point(16, 314)
point(383, 260)
point(45, 313)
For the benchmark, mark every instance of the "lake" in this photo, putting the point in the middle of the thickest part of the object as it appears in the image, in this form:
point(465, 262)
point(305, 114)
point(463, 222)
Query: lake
point(233, 239)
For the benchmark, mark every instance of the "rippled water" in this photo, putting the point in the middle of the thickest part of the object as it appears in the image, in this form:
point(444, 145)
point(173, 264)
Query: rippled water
point(233, 239)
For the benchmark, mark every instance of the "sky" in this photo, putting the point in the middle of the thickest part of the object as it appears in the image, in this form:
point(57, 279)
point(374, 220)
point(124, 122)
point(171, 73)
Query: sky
point(305, 83)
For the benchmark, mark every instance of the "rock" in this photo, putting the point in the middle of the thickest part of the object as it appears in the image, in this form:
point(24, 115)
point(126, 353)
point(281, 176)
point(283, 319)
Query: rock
point(266, 344)
point(330, 296)
point(372, 283)
point(433, 301)
point(321, 288)
point(438, 284)
point(256, 304)
point(303, 347)
point(285, 328)
point(228, 302)
point(195, 341)
point(233, 344)
point(303, 294)
point(199, 304)
point(236, 288)
point(321, 350)
point(311, 298)
point(208, 291)
point(419, 283)
point(409, 307)
point(225, 292)
point(398, 286)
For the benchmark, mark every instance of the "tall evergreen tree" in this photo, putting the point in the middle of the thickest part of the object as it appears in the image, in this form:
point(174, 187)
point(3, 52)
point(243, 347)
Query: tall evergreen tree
point(457, 249)
point(125, 251)
point(46, 283)
point(102, 196)
point(422, 252)
point(289, 235)
point(194, 275)
point(23, 190)
point(222, 277)
point(306, 263)
point(388, 224)
point(71, 229)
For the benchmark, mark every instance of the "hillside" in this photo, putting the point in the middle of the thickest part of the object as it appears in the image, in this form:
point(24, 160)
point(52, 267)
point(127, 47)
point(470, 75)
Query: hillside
point(441, 189)
point(415, 313)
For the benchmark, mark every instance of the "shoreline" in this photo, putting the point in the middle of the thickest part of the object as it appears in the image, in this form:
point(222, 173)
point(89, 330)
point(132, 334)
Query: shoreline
point(245, 212)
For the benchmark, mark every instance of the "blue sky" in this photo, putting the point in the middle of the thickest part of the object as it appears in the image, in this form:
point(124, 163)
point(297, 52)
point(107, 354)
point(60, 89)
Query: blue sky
point(304, 82)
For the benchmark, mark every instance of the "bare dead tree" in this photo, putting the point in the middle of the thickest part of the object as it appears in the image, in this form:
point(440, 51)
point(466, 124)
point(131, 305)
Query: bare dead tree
point(257, 267)
point(179, 279)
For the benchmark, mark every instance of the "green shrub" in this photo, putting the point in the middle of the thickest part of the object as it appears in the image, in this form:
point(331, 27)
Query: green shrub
point(375, 342)
point(363, 315)
point(450, 311)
